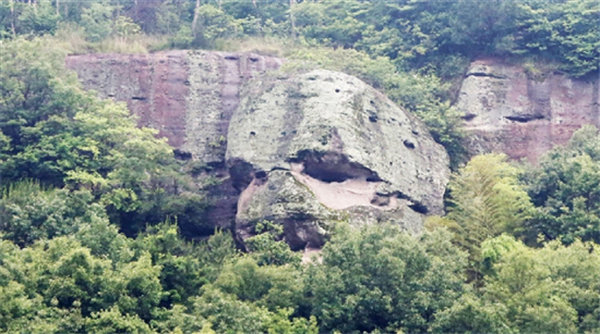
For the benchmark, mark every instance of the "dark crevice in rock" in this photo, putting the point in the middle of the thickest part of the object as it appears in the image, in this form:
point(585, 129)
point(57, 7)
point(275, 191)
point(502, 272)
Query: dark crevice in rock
point(332, 167)
point(523, 118)
point(419, 207)
point(468, 117)
point(409, 144)
point(483, 74)
point(279, 168)
point(241, 173)
point(215, 165)
point(415, 205)
point(372, 117)
point(182, 155)
point(380, 200)
point(139, 98)
point(302, 225)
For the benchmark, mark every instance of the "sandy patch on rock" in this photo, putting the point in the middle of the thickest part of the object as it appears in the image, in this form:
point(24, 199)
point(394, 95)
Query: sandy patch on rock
point(346, 194)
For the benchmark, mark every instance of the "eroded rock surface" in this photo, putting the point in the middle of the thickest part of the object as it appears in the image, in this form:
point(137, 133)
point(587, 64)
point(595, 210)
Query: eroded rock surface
point(305, 151)
point(189, 96)
point(324, 146)
point(507, 110)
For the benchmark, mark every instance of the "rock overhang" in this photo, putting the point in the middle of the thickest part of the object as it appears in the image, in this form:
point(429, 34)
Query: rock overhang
point(343, 141)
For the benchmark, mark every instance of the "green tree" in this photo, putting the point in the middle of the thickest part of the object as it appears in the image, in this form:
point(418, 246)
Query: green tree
point(63, 136)
point(485, 200)
point(97, 20)
point(272, 287)
point(553, 289)
point(268, 248)
point(30, 212)
point(114, 321)
point(378, 278)
point(211, 24)
point(565, 188)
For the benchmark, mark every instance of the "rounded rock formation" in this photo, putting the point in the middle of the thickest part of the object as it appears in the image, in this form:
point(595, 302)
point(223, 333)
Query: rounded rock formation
point(324, 146)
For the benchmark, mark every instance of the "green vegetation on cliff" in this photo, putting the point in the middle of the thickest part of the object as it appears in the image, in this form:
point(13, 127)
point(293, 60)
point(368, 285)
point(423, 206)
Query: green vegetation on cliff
point(94, 210)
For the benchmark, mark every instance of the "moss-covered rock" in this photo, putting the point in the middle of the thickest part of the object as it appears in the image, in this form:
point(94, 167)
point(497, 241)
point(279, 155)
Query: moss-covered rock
point(325, 146)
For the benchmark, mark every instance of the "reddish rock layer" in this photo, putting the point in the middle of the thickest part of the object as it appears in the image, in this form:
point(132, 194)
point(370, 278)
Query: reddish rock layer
point(154, 86)
point(509, 111)
point(158, 89)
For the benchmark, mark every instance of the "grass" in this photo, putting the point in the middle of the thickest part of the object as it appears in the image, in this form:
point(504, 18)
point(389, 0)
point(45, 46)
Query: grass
point(72, 39)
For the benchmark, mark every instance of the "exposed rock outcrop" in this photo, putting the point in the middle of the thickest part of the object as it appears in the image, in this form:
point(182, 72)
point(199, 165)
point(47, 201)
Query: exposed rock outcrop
point(189, 96)
point(324, 146)
point(304, 151)
point(506, 110)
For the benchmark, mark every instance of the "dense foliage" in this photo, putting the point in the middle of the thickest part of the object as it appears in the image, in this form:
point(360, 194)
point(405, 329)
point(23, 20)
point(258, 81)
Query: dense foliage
point(420, 34)
point(100, 224)
point(54, 132)
point(566, 190)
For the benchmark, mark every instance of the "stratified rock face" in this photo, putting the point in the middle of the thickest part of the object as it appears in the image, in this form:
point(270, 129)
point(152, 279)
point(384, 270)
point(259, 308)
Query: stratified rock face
point(155, 86)
point(324, 146)
point(304, 151)
point(189, 96)
point(506, 111)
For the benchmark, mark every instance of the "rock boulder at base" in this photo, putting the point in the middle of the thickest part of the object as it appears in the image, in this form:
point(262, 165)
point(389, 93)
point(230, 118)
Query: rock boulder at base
point(320, 147)
point(506, 109)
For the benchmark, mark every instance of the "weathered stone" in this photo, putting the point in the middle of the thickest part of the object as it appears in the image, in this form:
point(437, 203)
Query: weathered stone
point(304, 151)
point(324, 146)
point(154, 86)
point(188, 96)
point(507, 111)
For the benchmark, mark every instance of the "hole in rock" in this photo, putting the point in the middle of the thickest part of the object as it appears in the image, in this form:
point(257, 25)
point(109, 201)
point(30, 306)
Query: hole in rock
point(409, 144)
point(182, 155)
point(468, 117)
point(523, 118)
point(418, 207)
point(333, 167)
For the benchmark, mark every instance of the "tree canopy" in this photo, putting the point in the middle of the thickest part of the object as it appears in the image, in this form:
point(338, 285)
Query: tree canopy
point(102, 230)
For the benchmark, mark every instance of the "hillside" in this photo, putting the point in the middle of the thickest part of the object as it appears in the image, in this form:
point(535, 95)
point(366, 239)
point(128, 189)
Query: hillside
point(174, 166)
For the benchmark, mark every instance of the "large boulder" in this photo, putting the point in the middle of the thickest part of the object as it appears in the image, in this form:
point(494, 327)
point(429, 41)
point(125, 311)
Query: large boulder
point(511, 109)
point(315, 148)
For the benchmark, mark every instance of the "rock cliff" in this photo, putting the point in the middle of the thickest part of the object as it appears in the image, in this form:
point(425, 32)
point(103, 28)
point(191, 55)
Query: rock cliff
point(509, 110)
point(305, 151)
point(308, 150)
point(189, 96)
